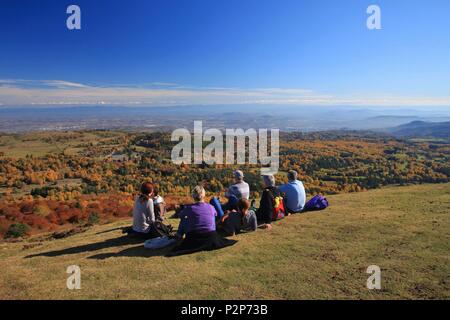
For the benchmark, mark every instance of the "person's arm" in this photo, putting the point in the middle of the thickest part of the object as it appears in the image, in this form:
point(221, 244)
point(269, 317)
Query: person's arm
point(302, 195)
point(283, 189)
point(162, 208)
point(182, 227)
point(247, 191)
point(229, 192)
point(232, 191)
point(253, 223)
point(226, 226)
point(266, 207)
point(225, 217)
point(266, 226)
point(150, 211)
point(213, 211)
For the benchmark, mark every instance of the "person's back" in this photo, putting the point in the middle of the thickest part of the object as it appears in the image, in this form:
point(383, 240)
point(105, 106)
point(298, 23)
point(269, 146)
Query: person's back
point(143, 215)
point(200, 217)
point(266, 204)
point(240, 190)
point(295, 195)
point(198, 225)
point(241, 220)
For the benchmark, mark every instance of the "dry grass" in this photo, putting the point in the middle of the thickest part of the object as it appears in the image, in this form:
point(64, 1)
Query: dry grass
point(40, 144)
point(404, 230)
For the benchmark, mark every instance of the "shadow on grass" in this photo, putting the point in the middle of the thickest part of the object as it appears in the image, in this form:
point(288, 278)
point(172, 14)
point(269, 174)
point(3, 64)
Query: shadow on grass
point(110, 243)
point(138, 251)
point(111, 230)
point(141, 252)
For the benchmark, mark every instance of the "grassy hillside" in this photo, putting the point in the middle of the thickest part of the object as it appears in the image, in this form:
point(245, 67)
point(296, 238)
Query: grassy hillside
point(404, 230)
point(40, 144)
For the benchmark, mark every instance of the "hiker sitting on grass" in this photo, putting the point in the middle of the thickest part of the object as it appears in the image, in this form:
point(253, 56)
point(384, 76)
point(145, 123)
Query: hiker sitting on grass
point(271, 204)
point(241, 220)
point(143, 212)
point(239, 190)
point(294, 191)
point(197, 223)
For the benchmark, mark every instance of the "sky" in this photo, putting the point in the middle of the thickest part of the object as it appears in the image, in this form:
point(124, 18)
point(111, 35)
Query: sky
point(207, 52)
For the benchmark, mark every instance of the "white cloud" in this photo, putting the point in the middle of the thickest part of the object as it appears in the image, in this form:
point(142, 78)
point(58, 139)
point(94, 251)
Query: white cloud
point(63, 84)
point(60, 92)
point(58, 84)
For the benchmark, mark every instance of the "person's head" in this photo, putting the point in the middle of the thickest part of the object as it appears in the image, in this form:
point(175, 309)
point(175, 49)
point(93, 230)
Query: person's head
point(155, 191)
point(198, 194)
point(238, 176)
point(269, 180)
point(292, 175)
point(147, 189)
point(243, 205)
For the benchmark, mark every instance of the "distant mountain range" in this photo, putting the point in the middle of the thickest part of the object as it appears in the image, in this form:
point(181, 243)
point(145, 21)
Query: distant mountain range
point(285, 118)
point(422, 129)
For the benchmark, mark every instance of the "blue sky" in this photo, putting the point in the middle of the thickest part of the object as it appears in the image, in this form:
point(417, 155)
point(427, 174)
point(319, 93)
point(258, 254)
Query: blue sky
point(167, 52)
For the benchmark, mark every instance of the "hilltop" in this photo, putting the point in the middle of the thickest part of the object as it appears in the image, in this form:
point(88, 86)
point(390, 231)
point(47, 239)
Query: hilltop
point(320, 255)
point(423, 129)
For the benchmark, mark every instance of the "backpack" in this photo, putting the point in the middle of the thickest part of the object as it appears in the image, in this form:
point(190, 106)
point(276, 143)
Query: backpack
point(157, 230)
point(278, 210)
point(317, 202)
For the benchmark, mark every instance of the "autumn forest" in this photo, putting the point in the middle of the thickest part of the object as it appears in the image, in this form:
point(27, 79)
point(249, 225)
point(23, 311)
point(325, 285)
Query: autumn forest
point(52, 180)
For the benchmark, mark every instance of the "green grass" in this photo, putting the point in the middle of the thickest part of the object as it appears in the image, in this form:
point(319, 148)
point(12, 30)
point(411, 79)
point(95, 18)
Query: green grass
point(321, 255)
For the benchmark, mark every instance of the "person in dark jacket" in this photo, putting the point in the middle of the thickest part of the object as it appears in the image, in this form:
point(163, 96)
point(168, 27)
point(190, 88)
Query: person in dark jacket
point(266, 205)
point(241, 220)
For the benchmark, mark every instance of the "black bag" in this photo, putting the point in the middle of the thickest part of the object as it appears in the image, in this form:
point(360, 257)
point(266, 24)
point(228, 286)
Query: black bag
point(159, 229)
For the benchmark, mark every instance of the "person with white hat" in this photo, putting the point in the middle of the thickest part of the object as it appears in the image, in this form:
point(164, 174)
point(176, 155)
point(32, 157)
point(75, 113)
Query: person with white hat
point(240, 189)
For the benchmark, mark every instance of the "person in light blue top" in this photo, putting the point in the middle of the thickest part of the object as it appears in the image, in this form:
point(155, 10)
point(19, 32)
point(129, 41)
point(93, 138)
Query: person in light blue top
point(294, 193)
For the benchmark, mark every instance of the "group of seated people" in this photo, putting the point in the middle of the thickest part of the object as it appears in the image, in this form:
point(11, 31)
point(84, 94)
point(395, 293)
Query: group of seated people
point(204, 226)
